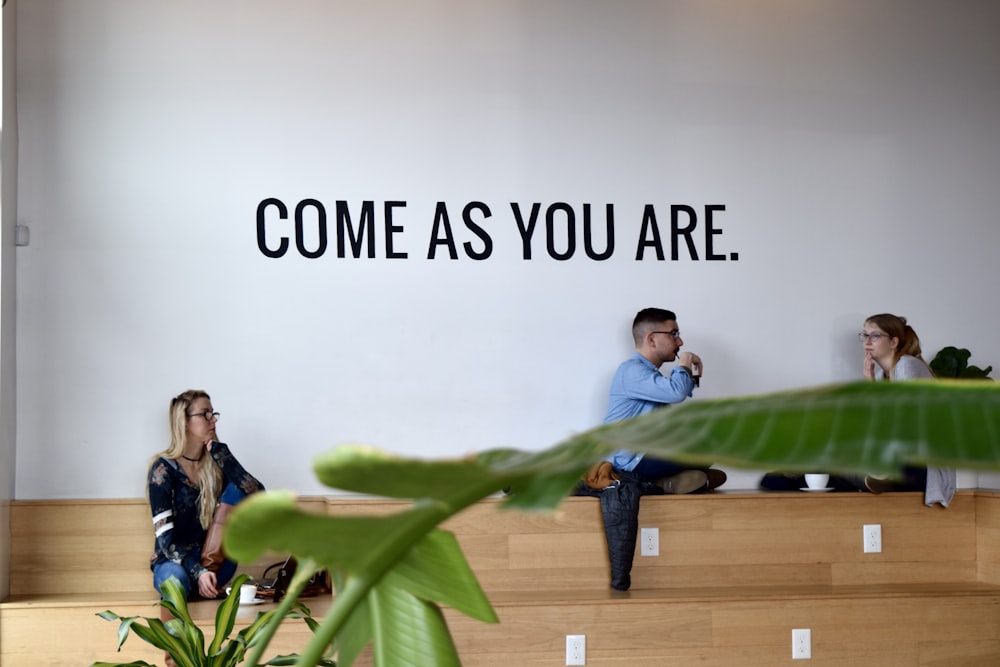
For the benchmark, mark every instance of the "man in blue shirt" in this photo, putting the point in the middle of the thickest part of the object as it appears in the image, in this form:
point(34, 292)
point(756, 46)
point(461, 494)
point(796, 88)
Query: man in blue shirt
point(639, 386)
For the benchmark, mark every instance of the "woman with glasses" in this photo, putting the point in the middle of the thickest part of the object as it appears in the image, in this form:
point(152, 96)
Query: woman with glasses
point(892, 353)
point(892, 350)
point(193, 486)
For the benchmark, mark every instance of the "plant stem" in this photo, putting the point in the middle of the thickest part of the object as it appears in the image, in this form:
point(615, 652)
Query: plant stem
point(303, 573)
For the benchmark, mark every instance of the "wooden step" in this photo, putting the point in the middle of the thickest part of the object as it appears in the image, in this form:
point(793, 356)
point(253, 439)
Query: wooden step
point(902, 626)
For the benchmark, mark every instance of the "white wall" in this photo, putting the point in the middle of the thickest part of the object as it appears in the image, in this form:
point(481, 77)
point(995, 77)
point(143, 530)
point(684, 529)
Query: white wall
point(854, 145)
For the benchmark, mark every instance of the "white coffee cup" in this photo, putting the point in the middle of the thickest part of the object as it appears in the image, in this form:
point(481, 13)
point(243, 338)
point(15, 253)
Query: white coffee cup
point(248, 593)
point(817, 480)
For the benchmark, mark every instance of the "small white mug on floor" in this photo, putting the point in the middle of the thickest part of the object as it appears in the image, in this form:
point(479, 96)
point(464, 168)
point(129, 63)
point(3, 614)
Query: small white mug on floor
point(248, 593)
point(817, 480)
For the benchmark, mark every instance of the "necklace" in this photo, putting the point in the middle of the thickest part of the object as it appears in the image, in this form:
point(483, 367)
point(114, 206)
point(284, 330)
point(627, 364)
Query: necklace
point(188, 458)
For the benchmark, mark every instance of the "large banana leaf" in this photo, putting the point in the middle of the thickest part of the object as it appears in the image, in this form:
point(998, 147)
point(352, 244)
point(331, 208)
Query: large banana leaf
point(394, 570)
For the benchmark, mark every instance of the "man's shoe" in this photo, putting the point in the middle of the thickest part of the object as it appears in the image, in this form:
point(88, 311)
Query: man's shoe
point(687, 481)
point(876, 485)
point(716, 478)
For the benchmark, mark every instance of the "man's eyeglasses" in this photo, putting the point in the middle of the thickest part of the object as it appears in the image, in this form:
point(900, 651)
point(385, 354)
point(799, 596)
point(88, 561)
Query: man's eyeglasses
point(675, 334)
point(207, 415)
point(873, 336)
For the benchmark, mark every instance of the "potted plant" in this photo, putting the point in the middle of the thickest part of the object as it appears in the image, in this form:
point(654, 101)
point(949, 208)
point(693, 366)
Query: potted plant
point(953, 362)
point(184, 641)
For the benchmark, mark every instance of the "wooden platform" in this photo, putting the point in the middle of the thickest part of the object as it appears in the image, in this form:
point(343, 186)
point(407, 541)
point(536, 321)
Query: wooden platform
point(736, 573)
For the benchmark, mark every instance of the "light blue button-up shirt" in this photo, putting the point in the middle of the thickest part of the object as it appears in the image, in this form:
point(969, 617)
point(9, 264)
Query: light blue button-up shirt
point(637, 388)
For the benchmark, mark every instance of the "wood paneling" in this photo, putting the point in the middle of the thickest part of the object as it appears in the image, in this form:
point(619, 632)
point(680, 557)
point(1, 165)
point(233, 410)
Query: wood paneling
point(988, 535)
point(68, 546)
point(903, 630)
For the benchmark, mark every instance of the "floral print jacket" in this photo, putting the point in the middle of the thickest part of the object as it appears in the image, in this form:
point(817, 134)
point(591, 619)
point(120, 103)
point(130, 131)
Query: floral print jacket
point(176, 505)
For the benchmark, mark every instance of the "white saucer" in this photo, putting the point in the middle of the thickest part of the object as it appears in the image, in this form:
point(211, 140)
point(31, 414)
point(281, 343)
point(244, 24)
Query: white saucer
point(806, 488)
point(255, 601)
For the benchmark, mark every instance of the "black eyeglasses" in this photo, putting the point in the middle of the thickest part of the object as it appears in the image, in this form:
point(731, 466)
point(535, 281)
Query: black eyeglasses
point(207, 415)
point(873, 336)
point(675, 334)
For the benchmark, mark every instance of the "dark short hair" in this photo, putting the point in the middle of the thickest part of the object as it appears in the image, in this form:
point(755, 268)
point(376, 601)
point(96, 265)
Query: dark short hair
point(647, 318)
point(652, 316)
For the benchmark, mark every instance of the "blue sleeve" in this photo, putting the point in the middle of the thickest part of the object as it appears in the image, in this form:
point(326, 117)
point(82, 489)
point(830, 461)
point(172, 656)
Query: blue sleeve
point(646, 385)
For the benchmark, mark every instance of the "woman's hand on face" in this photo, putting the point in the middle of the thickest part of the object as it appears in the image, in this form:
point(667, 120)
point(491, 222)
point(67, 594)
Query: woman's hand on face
point(206, 585)
point(869, 367)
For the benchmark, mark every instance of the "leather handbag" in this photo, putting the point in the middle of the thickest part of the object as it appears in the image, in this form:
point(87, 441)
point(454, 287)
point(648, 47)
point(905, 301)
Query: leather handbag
point(278, 575)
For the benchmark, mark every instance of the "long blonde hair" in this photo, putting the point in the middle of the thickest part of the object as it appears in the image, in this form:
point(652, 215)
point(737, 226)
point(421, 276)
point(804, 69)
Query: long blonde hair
point(209, 476)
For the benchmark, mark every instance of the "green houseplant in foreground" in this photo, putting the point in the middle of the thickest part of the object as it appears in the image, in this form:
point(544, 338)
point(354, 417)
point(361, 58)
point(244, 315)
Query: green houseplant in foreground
point(391, 573)
point(185, 641)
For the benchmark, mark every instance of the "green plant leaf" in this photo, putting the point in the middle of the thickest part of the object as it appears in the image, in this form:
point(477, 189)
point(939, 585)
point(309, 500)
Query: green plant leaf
point(381, 474)
point(225, 615)
point(185, 640)
point(436, 570)
point(409, 631)
point(293, 659)
point(160, 636)
point(976, 373)
point(231, 654)
point(870, 427)
point(543, 478)
point(356, 633)
point(175, 600)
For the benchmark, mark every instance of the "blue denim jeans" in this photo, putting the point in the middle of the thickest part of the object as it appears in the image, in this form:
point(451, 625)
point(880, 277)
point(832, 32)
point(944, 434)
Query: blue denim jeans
point(651, 469)
point(231, 495)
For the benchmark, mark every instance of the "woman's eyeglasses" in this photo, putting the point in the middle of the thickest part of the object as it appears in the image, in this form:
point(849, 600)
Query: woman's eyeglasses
point(207, 415)
point(873, 336)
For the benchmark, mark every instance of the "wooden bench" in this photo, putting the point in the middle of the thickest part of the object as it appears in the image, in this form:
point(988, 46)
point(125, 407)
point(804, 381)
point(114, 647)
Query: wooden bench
point(737, 571)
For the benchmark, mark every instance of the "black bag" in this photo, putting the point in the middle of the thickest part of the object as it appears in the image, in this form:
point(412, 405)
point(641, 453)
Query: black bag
point(282, 572)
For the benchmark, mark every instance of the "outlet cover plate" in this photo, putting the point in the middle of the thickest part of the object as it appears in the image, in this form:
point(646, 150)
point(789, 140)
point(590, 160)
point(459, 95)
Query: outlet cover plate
point(649, 542)
point(801, 644)
point(873, 538)
point(576, 649)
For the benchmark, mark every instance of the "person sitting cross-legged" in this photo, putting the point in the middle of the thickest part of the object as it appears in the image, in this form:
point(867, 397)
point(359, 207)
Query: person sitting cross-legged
point(639, 387)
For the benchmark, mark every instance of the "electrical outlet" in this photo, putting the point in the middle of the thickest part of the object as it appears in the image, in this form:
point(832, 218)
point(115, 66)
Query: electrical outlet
point(650, 542)
point(576, 649)
point(801, 644)
point(873, 538)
